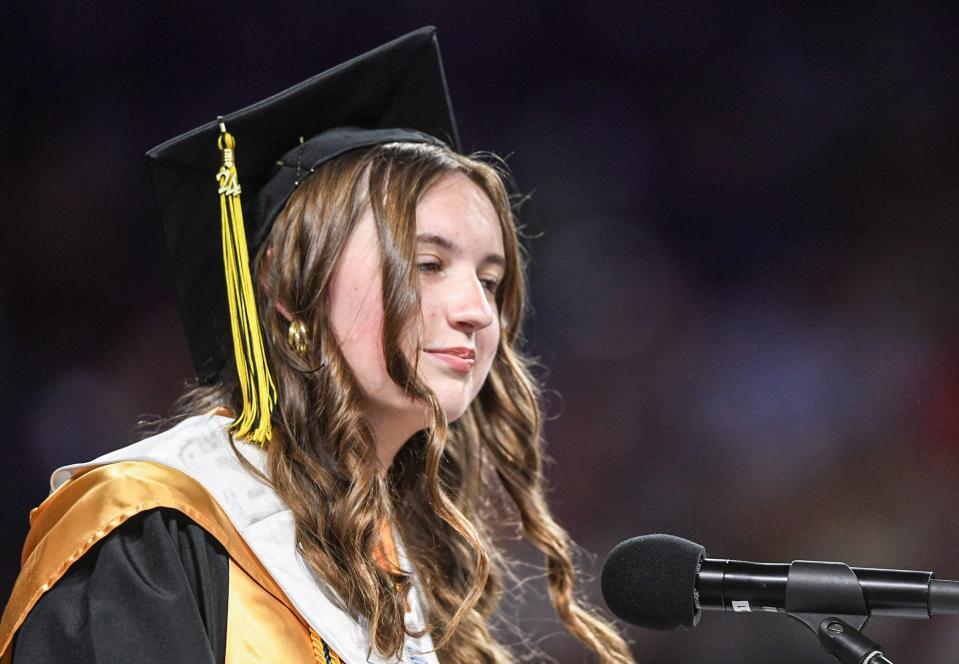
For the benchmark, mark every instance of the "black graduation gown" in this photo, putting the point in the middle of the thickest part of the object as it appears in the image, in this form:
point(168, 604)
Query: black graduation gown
point(153, 590)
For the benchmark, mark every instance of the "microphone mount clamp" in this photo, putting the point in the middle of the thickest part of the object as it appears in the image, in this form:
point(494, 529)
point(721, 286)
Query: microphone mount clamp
point(815, 586)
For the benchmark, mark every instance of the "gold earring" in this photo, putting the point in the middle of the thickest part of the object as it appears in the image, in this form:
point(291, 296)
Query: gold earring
point(297, 338)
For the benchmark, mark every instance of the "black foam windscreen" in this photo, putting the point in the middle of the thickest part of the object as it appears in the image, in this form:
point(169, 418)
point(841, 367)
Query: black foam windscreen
point(650, 581)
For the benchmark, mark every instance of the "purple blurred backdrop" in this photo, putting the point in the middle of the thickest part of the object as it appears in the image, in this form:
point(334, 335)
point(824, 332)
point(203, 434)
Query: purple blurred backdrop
point(743, 239)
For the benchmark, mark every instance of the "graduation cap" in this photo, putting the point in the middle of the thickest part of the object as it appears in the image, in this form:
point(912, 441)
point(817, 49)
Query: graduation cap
point(396, 92)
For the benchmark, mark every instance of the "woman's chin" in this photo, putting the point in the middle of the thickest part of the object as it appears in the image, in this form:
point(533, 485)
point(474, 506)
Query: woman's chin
point(453, 405)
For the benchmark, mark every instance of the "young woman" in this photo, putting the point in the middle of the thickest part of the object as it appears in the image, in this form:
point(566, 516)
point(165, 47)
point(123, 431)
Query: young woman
point(329, 492)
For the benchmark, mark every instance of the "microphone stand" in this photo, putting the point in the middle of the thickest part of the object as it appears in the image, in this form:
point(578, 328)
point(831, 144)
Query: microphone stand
point(839, 629)
point(842, 640)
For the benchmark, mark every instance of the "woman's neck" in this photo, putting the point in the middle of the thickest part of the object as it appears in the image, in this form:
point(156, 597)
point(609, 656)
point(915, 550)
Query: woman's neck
point(391, 431)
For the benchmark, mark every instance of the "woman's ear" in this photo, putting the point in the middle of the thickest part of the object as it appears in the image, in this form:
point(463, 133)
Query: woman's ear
point(279, 306)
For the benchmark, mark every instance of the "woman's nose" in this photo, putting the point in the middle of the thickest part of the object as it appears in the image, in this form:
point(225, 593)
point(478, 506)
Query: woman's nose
point(471, 307)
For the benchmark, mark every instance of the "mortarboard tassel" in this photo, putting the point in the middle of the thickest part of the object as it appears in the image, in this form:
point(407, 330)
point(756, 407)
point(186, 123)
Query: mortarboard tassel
point(256, 383)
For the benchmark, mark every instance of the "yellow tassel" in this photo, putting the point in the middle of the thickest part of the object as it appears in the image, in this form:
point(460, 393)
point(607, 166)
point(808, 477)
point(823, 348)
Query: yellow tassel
point(256, 383)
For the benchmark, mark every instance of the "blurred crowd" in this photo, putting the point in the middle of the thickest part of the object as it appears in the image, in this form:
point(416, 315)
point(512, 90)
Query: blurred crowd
point(742, 239)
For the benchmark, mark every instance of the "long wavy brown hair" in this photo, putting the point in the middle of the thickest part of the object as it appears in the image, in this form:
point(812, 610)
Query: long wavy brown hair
point(322, 459)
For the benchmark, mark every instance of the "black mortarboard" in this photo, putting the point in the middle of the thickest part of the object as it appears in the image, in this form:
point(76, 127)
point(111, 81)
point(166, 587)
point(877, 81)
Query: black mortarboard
point(396, 92)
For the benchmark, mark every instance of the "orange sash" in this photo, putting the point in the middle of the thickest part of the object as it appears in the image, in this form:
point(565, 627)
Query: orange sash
point(262, 624)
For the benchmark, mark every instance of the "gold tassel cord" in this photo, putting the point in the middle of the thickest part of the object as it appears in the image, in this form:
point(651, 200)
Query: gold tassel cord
point(253, 372)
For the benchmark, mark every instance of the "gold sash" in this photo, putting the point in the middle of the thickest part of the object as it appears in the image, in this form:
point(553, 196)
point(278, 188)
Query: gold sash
point(262, 624)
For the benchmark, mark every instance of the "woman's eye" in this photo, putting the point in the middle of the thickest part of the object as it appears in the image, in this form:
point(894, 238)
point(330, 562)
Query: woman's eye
point(492, 285)
point(428, 267)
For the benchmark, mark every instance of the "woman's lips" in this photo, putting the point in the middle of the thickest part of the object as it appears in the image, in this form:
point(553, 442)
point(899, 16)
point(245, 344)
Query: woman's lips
point(458, 359)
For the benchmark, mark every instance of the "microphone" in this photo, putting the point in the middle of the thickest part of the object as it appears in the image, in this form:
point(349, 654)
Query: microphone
point(665, 582)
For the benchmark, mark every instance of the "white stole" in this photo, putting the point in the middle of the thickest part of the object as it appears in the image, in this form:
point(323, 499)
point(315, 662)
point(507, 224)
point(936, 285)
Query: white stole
point(199, 446)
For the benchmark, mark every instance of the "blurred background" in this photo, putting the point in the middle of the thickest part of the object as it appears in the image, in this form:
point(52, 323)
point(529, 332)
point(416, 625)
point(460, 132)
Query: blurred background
point(743, 236)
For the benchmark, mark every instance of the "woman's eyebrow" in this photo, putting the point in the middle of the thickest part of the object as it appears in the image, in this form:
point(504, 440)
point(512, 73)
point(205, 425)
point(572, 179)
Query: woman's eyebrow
point(453, 248)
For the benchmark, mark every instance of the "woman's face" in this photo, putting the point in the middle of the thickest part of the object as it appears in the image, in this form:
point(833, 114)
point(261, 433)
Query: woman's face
point(460, 261)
